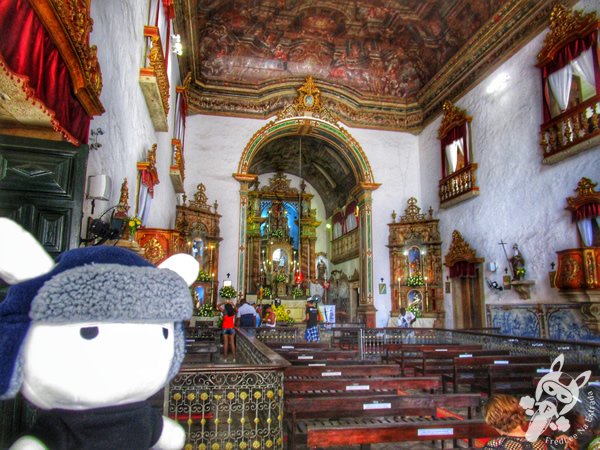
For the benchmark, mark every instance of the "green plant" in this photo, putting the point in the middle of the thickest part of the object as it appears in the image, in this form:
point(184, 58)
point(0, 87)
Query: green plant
point(277, 234)
point(520, 272)
point(415, 310)
point(204, 276)
point(280, 277)
point(415, 280)
point(227, 292)
point(206, 310)
point(297, 292)
point(266, 292)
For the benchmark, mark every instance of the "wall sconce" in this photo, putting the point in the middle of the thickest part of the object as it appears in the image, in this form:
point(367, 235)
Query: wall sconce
point(176, 46)
point(99, 187)
point(95, 145)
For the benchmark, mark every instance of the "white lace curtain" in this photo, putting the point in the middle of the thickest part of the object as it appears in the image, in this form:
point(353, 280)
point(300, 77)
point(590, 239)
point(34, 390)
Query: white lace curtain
point(452, 151)
point(586, 230)
point(560, 81)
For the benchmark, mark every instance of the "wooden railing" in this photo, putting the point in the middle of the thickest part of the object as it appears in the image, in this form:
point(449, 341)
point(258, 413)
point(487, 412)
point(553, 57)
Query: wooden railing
point(571, 132)
point(345, 247)
point(458, 186)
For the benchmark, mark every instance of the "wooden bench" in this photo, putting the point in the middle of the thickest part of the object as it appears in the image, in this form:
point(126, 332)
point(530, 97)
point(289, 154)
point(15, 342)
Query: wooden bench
point(392, 350)
point(517, 378)
point(324, 355)
point(200, 351)
point(310, 387)
point(413, 357)
point(302, 411)
point(331, 362)
point(472, 369)
point(344, 432)
point(439, 362)
point(342, 371)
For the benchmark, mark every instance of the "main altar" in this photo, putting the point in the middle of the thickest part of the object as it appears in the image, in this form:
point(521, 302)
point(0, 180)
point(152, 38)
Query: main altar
point(281, 236)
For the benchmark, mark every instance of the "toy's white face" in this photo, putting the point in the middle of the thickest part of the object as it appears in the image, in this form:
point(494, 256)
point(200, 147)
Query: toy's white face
point(87, 365)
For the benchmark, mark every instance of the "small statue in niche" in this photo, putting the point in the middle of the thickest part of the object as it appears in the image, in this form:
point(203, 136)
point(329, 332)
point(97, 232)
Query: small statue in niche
point(321, 270)
point(517, 261)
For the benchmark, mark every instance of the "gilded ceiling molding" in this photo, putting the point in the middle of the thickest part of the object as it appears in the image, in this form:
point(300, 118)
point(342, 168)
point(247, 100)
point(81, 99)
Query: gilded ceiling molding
point(453, 117)
point(460, 251)
point(69, 24)
point(565, 25)
point(313, 125)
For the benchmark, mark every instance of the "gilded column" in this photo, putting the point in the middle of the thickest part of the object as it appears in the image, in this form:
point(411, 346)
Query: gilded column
point(245, 181)
point(366, 309)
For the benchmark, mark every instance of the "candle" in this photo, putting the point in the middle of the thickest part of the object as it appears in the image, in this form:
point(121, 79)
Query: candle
point(399, 299)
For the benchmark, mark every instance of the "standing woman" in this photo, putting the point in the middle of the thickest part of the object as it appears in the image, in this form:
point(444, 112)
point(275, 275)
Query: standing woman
point(312, 318)
point(228, 328)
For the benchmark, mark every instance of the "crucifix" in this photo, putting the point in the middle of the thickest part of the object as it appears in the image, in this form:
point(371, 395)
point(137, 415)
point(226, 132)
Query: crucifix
point(502, 243)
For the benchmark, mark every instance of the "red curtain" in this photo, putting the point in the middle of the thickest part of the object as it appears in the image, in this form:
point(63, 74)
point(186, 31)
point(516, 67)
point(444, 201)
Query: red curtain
point(28, 51)
point(563, 57)
point(463, 269)
point(587, 211)
point(150, 179)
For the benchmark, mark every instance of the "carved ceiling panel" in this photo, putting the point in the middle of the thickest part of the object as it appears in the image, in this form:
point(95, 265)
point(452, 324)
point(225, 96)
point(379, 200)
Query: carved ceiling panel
point(381, 63)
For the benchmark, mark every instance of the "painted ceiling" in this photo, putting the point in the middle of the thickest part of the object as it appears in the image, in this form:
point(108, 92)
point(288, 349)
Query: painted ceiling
point(386, 64)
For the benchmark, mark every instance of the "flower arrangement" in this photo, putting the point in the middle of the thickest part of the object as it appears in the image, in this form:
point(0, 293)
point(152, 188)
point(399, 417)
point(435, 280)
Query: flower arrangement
point(415, 280)
point(206, 310)
point(277, 233)
point(280, 277)
point(415, 310)
point(133, 223)
point(283, 316)
point(227, 292)
point(266, 292)
point(297, 292)
point(204, 276)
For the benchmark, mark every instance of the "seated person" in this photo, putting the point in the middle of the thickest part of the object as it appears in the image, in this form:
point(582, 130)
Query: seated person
point(269, 317)
point(406, 318)
point(504, 413)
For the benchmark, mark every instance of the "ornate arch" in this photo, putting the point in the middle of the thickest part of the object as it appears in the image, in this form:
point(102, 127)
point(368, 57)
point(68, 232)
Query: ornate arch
point(307, 117)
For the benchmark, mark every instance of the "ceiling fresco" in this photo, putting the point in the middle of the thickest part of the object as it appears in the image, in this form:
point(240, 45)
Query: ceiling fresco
point(386, 64)
point(385, 49)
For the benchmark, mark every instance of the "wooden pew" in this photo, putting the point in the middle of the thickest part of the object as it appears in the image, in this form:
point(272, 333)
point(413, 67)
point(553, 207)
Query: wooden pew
point(342, 371)
point(323, 355)
point(309, 387)
point(298, 346)
point(438, 362)
point(331, 362)
point(394, 350)
point(343, 432)
point(410, 358)
point(517, 378)
point(473, 370)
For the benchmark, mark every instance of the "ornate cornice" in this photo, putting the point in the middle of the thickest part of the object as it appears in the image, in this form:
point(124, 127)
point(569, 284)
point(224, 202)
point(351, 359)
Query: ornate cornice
point(460, 251)
point(412, 213)
point(565, 25)
point(200, 201)
point(586, 194)
point(69, 24)
point(158, 65)
point(453, 117)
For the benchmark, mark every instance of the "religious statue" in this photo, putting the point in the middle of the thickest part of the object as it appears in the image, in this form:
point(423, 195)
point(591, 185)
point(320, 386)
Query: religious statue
point(321, 270)
point(518, 264)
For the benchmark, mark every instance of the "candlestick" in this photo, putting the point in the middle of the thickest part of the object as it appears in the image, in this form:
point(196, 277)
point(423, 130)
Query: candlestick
point(399, 297)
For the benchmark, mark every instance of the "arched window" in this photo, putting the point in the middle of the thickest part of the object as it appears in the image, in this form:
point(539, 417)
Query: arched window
point(571, 84)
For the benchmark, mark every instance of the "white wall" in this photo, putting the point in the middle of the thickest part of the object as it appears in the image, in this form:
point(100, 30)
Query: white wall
point(128, 130)
point(521, 200)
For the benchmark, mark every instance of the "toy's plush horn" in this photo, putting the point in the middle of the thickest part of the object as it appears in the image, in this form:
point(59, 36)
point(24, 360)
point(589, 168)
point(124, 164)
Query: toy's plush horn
point(21, 256)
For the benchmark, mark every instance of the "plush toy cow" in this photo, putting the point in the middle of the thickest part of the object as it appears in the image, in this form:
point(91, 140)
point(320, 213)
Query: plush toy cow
point(88, 339)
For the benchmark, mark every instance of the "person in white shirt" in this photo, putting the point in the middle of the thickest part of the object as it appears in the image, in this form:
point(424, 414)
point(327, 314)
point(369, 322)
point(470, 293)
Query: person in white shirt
point(246, 315)
point(406, 318)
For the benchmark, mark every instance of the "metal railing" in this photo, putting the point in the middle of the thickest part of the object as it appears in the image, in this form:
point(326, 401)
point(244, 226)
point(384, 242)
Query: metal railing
point(227, 407)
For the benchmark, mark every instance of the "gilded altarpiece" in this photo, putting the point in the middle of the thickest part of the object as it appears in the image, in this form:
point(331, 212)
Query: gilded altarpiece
point(415, 250)
point(281, 236)
point(198, 224)
point(158, 244)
